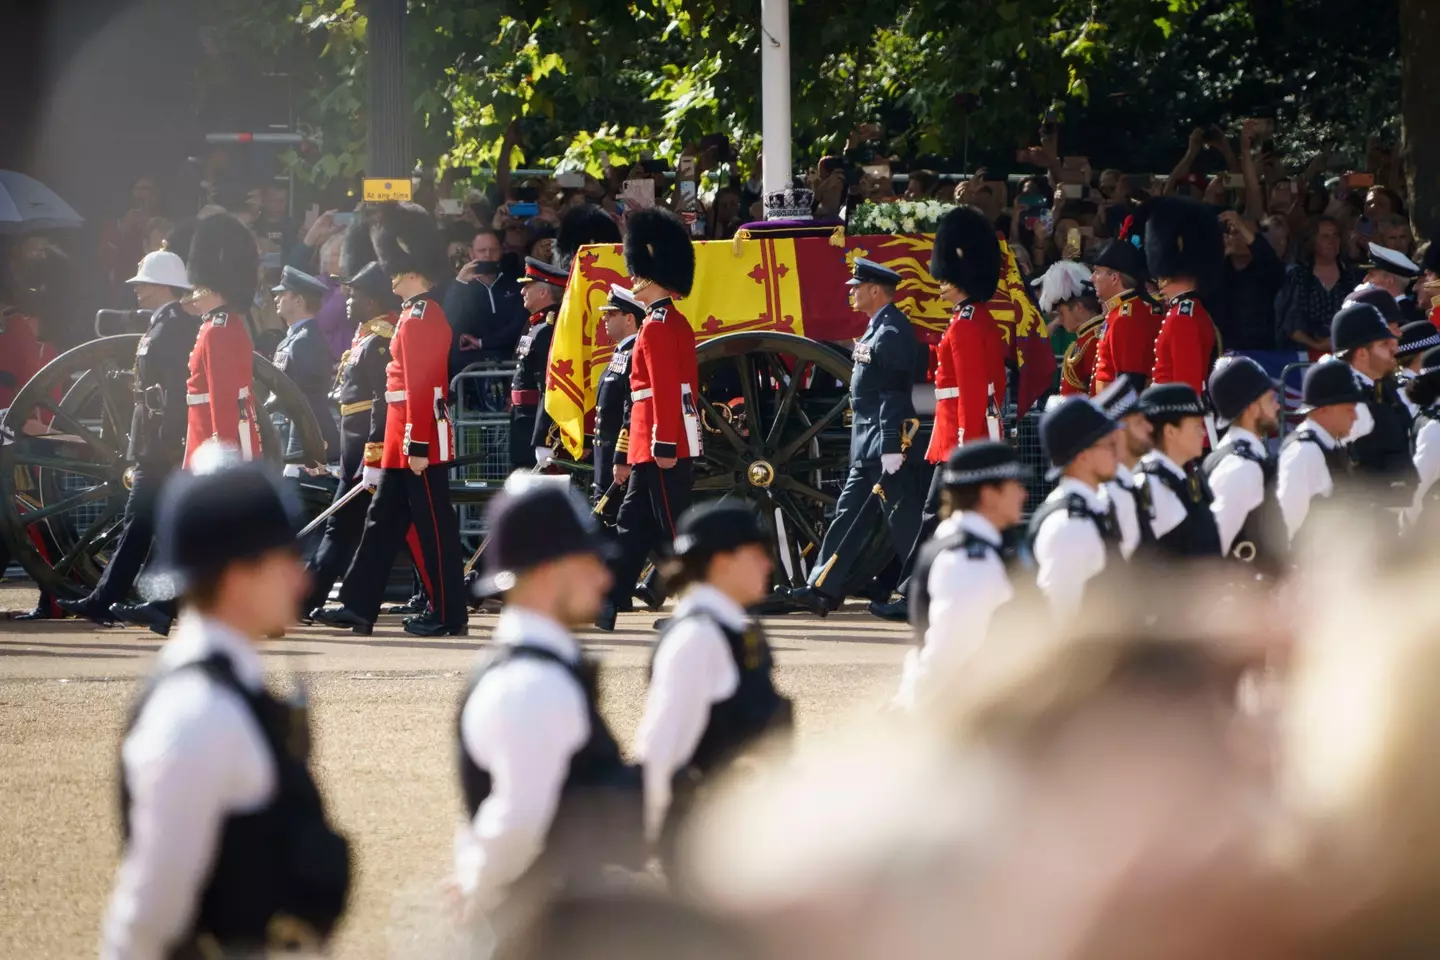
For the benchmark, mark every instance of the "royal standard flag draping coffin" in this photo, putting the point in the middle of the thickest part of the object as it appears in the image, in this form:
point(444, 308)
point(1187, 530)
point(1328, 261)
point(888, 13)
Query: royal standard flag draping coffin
point(785, 285)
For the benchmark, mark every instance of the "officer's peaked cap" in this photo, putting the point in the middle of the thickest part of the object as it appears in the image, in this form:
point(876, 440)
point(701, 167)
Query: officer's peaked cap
point(984, 461)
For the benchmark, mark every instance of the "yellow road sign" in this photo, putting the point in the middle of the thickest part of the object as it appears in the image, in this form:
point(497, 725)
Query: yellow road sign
point(379, 189)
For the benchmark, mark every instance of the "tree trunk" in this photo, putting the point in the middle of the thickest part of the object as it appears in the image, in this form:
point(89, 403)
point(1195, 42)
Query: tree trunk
point(387, 138)
point(1420, 119)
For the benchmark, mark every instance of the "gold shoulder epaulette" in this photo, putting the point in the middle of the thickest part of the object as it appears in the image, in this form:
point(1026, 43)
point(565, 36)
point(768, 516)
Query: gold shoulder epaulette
point(381, 326)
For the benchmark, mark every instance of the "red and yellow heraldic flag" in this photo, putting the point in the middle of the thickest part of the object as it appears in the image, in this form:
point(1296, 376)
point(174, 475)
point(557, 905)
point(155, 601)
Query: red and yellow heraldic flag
point(787, 285)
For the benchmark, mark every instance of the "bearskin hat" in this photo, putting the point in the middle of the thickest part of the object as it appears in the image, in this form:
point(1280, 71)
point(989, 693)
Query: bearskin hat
point(1123, 256)
point(1183, 239)
point(224, 257)
point(179, 239)
point(581, 225)
point(966, 253)
point(356, 248)
point(407, 241)
point(1431, 261)
point(657, 248)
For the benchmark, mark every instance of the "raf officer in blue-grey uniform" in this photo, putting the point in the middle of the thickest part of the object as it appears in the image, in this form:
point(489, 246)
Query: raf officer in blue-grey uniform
point(304, 356)
point(622, 315)
point(885, 358)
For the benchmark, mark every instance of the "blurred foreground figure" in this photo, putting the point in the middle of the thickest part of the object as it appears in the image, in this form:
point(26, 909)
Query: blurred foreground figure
point(227, 849)
point(627, 927)
point(711, 694)
point(1087, 797)
point(548, 798)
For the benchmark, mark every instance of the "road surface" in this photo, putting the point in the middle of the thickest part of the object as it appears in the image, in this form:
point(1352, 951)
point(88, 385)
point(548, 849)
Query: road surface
point(383, 709)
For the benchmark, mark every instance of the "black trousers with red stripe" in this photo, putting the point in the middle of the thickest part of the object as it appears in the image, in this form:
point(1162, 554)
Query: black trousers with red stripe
point(402, 498)
point(654, 500)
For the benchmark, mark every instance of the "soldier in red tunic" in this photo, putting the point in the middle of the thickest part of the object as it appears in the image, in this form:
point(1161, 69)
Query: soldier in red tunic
point(414, 485)
point(223, 267)
point(1132, 321)
point(970, 373)
point(664, 427)
point(1184, 251)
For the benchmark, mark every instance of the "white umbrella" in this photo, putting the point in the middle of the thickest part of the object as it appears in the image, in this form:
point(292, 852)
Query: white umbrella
point(27, 205)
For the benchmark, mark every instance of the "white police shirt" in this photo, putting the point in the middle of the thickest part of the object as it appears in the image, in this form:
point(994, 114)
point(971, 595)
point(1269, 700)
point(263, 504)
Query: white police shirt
point(1238, 485)
point(1427, 464)
point(194, 758)
point(1069, 550)
point(965, 592)
point(1303, 475)
point(1167, 510)
point(523, 722)
point(693, 670)
point(1127, 516)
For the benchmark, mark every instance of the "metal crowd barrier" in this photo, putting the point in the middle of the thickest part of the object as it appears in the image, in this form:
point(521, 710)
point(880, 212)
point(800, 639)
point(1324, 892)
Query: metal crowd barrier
point(482, 427)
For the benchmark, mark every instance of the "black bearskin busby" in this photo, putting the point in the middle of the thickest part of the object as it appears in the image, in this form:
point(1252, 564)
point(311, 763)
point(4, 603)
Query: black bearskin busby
point(581, 225)
point(1183, 239)
point(356, 249)
point(224, 258)
point(966, 253)
point(407, 241)
point(179, 239)
point(657, 248)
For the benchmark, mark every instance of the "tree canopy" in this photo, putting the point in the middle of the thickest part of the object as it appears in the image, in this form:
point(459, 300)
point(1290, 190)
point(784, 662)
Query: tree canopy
point(571, 81)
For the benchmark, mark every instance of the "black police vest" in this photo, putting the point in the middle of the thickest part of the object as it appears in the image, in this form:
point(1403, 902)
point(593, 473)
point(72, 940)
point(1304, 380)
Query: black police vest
point(281, 874)
point(599, 818)
point(1262, 539)
point(735, 723)
point(1196, 536)
point(975, 547)
point(1384, 454)
point(1105, 525)
point(1337, 461)
point(1144, 510)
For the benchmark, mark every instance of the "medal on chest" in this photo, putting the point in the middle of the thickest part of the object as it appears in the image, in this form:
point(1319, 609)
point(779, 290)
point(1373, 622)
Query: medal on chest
point(522, 349)
point(861, 354)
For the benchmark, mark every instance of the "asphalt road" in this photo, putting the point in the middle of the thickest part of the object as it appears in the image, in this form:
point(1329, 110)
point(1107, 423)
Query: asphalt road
point(384, 713)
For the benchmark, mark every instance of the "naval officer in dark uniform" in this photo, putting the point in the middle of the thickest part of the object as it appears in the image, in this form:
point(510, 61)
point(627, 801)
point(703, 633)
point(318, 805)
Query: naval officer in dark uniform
point(227, 850)
point(360, 391)
point(885, 358)
point(622, 316)
point(304, 356)
point(157, 430)
point(543, 286)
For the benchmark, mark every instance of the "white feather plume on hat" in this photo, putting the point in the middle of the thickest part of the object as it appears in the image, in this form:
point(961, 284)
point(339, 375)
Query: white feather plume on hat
point(1065, 280)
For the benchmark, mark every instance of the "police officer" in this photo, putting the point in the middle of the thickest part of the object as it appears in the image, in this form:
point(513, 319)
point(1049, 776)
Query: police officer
point(1183, 522)
point(970, 364)
point(960, 578)
point(157, 427)
point(1424, 392)
point(1074, 536)
point(1184, 253)
point(664, 424)
point(304, 356)
point(1313, 459)
point(360, 391)
point(1393, 272)
point(622, 315)
point(548, 797)
point(1132, 322)
point(885, 359)
point(711, 693)
point(1240, 471)
point(1415, 338)
point(227, 849)
point(414, 487)
point(542, 287)
point(1382, 441)
point(223, 267)
point(1134, 439)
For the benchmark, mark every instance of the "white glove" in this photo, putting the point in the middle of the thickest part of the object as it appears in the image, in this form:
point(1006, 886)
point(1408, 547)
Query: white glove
point(542, 457)
point(370, 476)
point(890, 462)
